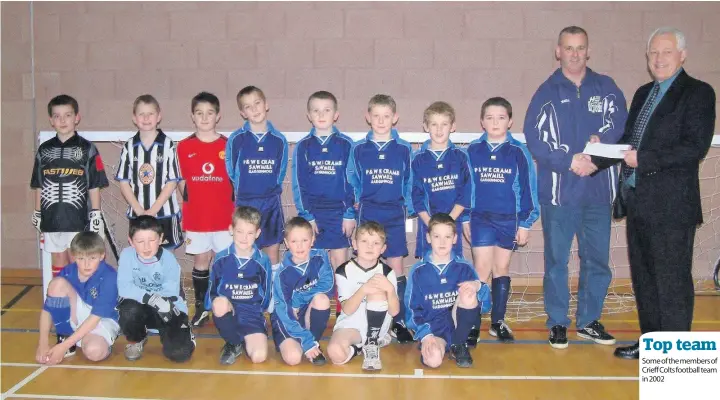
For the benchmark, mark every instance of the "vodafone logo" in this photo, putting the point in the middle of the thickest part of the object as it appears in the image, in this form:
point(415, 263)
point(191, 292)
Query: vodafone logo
point(208, 168)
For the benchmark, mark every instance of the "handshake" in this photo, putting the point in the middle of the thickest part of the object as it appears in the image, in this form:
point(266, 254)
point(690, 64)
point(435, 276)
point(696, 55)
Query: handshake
point(582, 165)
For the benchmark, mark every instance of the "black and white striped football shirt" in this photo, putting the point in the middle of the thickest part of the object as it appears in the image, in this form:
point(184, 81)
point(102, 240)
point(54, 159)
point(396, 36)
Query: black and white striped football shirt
point(148, 171)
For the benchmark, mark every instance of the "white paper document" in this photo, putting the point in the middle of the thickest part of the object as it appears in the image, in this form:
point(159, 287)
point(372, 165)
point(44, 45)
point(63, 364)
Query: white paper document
point(606, 150)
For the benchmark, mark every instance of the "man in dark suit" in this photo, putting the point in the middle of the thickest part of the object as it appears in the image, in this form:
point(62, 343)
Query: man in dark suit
point(670, 127)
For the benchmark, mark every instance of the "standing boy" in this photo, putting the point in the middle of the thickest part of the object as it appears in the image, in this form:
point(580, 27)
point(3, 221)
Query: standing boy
point(256, 159)
point(380, 172)
point(441, 178)
point(504, 205)
point(148, 172)
point(207, 195)
point(67, 176)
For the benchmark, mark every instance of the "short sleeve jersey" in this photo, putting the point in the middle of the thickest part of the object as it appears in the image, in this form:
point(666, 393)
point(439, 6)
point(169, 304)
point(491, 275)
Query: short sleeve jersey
point(208, 198)
point(148, 171)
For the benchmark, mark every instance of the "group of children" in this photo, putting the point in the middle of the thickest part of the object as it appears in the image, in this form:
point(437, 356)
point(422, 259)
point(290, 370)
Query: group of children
point(207, 183)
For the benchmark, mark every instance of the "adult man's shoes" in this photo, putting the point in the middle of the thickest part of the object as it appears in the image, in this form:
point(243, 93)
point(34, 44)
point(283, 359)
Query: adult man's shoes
point(629, 352)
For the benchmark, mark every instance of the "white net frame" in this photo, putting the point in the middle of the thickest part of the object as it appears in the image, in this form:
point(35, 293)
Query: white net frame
point(526, 300)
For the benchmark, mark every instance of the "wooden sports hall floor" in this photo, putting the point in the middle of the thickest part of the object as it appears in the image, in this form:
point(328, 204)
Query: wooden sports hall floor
point(528, 369)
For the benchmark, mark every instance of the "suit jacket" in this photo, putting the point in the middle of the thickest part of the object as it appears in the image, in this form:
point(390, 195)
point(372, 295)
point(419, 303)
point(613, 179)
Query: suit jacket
point(677, 137)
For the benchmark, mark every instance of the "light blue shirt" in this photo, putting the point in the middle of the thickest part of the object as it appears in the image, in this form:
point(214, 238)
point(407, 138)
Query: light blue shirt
point(664, 86)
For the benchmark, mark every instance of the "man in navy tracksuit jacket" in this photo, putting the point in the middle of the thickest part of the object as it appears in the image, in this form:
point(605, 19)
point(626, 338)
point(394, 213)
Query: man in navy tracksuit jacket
point(572, 107)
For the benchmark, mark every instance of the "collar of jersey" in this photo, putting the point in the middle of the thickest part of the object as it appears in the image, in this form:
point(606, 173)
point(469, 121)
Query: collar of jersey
point(559, 78)
point(271, 129)
point(156, 257)
point(302, 267)
point(313, 133)
point(394, 135)
point(484, 138)
point(426, 147)
point(252, 256)
point(428, 260)
point(158, 140)
point(72, 139)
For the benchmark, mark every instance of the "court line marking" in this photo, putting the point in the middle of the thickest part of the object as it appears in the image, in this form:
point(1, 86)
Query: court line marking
point(335, 374)
point(61, 397)
point(25, 381)
point(15, 299)
point(327, 338)
point(606, 322)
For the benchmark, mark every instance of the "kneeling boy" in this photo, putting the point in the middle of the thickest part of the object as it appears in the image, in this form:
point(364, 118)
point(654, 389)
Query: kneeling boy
point(240, 290)
point(151, 294)
point(444, 297)
point(302, 291)
point(81, 303)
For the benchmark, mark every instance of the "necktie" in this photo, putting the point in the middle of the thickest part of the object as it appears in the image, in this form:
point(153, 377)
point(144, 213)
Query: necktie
point(639, 129)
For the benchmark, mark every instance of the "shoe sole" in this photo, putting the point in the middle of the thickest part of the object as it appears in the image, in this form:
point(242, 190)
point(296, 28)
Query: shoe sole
point(461, 365)
point(598, 341)
point(371, 368)
point(626, 357)
point(558, 345)
point(230, 362)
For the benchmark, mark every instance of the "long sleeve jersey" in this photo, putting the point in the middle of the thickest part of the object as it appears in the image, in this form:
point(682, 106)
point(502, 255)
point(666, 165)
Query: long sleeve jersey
point(256, 162)
point(432, 290)
point(319, 174)
point(440, 180)
point(380, 173)
point(159, 275)
point(503, 179)
point(247, 283)
point(294, 287)
point(558, 124)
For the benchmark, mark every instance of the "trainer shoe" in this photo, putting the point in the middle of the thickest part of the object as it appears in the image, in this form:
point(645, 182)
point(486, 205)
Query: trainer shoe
point(70, 351)
point(200, 318)
point(319, 360)
point(371, 360)
point(502, 332)
point(461, 354)
point(385, 340)
point(558, 337)
point(133, 351)
point(401, 333)
point(473, 338)
point(596, 332)
point(230, 352)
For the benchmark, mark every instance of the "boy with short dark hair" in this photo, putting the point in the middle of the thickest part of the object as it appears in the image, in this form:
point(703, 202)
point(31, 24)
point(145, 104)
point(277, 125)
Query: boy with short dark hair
point(367, 289)
point(207, 195)
point(148, 172)
point(444, 297)
point(67, 176)
point(81, 303)
point(152, 296)
point(302, 291)
point(504, 206)
point(241, 289)
point(256, 160)
point(379, 169)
